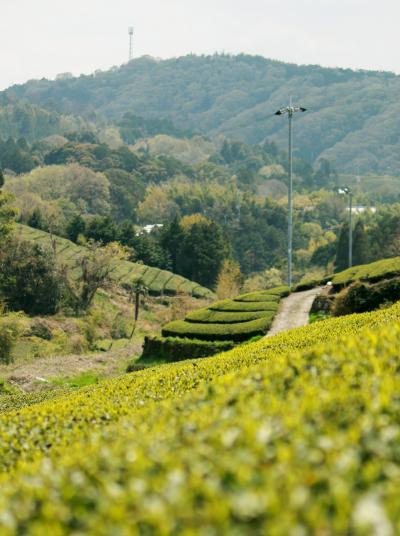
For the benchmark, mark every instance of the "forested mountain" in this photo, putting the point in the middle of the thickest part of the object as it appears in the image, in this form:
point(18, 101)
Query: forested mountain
point(351, 118)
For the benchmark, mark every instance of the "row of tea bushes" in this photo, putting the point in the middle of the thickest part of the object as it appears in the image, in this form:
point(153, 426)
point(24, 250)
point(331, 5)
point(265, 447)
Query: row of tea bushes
point(168, 349)
point(237, 332)
point(295, 434)
point(232, 321)
point(125, 273)
point(370, 273)
point(373, 272)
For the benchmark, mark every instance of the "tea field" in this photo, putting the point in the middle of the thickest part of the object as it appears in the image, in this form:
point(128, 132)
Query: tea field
point(294, 434)
point(125, 273)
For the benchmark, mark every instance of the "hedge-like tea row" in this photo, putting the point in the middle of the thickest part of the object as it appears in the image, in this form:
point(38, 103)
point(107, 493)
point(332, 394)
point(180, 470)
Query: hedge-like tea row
point(169, 349)
point(372, 272)
point(223, 317)
point(240, 319)
point(241, 306)
point(227, 445)
point(274, 294)
point(237, 332)
point(125, 273)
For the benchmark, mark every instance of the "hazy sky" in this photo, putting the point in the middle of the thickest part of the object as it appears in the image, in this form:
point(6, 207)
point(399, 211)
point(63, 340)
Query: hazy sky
point(40, 38)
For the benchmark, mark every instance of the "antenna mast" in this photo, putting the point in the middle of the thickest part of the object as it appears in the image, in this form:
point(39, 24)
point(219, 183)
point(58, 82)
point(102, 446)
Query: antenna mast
point(130, 32)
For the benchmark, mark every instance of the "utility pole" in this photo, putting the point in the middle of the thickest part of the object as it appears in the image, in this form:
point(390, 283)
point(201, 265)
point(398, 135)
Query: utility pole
point(290, 111)
point(345, 190)
point(130, 32)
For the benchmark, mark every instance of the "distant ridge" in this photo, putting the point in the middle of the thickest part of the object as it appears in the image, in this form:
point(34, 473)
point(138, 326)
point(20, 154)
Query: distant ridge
point(352, 117)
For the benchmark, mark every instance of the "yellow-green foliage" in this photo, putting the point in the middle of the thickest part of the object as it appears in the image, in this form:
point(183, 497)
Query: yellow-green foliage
point(295, 434)
point(11, 328)
point(373, 272)
point(125, 273)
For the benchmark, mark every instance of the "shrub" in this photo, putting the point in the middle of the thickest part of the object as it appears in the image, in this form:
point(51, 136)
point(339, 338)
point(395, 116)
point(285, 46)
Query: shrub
point(360, 297)
point(312, 283)
point(282, 291)
point(236, 332)
point(224, 317)
point(171, 349)
point(231, 305)
point(257, 298)
point(273, 294)
point(373, 272)
point(11, 328)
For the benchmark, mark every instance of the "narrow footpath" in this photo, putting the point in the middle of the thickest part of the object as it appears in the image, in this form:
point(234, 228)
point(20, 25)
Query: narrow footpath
point(294, 311)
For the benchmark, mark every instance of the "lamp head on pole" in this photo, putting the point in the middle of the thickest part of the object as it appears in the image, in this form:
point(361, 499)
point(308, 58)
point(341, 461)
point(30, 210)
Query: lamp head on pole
point(344, 190)
point(290, 110)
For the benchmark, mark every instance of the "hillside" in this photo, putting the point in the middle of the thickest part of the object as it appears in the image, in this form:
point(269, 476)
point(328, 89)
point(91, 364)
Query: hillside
point(23, 120)
point(351, 118)
point(125, 273)
point(299, 431)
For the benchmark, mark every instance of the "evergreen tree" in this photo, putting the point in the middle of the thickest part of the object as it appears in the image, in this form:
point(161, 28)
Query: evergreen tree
point(171, 240)
point(202, 253)
point(1, 178)
point(361, 246)
point(36, 220)
point(342, 249)
point(76, 227)
point(147, 249)
point(102, 229)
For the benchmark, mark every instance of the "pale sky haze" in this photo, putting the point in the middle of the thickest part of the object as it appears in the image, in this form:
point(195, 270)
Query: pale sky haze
point(41, 38)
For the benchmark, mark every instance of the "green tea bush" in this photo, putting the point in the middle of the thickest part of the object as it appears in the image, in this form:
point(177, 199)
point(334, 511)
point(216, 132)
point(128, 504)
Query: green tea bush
point(246, 298)
point(295, 434)
point(236, 306)
point(125, 273)
point(224, 317)
point(212, 332)
point(171, 349)
point(373, 272)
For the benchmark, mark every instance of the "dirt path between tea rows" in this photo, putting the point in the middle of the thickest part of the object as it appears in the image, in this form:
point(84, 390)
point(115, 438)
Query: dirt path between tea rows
point(294, 311)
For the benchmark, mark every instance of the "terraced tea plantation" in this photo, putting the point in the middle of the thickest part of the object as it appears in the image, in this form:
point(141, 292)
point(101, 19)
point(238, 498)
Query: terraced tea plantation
point(237, 320)
point(124, 273)
point(295, 434)
point(226, 323)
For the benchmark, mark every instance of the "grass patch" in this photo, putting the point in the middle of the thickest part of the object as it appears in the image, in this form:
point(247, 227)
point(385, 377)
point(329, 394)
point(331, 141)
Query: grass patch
point(82, 380)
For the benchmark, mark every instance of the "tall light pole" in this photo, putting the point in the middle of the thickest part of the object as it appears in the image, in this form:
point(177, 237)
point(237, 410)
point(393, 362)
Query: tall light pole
point(345, 190)
point(130, 32)
point(290, 111)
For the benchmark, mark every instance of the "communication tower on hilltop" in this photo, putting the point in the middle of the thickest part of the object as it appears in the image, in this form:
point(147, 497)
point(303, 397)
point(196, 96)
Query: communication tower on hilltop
point(130, 32)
